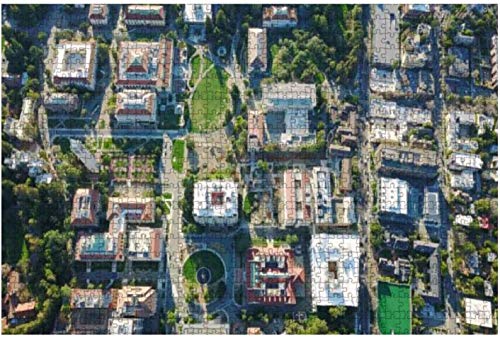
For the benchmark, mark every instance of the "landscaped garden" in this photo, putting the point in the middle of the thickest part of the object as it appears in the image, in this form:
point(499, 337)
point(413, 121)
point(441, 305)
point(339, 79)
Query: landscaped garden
point(210, 101)
point(203, 259)
point(204, 274)
point(178, 155)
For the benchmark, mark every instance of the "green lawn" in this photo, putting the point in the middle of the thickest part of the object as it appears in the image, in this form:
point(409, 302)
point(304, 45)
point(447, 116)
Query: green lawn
point(178, 155)
point(202, 259)
point(394, 315)
point(210, 101)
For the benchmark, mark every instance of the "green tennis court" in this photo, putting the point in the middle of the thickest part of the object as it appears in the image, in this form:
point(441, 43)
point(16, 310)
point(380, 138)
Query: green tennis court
point(394, 315)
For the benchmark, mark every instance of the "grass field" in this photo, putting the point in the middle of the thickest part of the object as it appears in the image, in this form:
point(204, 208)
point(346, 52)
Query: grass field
point(202, 259)
point(178, 155)
point(394, 315)
point(210, 101)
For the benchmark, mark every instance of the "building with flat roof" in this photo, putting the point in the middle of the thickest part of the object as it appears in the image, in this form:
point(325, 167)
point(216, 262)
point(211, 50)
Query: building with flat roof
point(465, 161)
point(415, 10)
point(295, 101)
point(98, 14)
point(257, 50)
point(463, 180)
point(279, 16)
point(385, 43)
point(393, 196)
point(206, 328)
point(390, 110)
point(144, 15)
point(432, 207)
point(382, 80)
point(215, 203)
point(145, 244)
point(75, 64)
point(346, 175)
point(297, 198)
point(61, 102)
point(335, 267)
point(125, 326)
point(105, 247)
point(90, 310)
point(322, 191)
point(344, 211)
point(255, 131)
point(390, 121)
point(425, 247)
point(136, 107)
point(86, 206)
point(463, 220)
point(273, 276)
point(147, 65)
point(461, 64)
point(91, 298)
point(197, 14)
point(134, 209)
point(84, 155)
point(136, 301)
point(406, 161)
point(21, 128)
point(478, 313)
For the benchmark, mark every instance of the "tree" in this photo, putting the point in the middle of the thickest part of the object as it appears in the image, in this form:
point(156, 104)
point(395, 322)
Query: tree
point(376, 235)
point(292, 239)
point(209, 28)
point(171, 318)
point(337, 311)
point(262, 165)
point(482, 207)
point(418, 302)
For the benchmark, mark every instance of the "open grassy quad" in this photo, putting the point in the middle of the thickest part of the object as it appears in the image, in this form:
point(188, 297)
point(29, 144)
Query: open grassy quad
point(203, 259)
point(178, 155)
point(210, 101)
point(394, 314)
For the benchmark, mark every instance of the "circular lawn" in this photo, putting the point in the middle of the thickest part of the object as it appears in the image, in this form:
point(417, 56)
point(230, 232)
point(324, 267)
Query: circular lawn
point(203, 262)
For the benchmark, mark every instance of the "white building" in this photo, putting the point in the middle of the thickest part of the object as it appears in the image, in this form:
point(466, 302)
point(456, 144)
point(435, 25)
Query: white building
point(144, 15)
point(124, 326)
point(463, 220)
point(279, 17)
point(382, 80)
point(257, 50)
point(136, 107)
point(295, 100)
point(385, 42)
point(391, 122)
point(215, 203)
point(322, 190)
point(21, 128)
point(463, 180)
point(197, 14)
point(478, 313)
point(75, 64)
point(335, 269)
point(393, 195)
point(61, 102)
point(145, 244)
point(349, 210)
point(98, 14)
point(465, 161)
